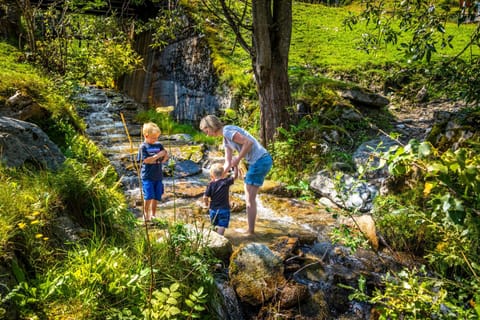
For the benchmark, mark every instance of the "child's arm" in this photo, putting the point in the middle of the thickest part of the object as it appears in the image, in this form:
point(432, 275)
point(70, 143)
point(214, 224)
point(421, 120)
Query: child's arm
point(206, 200)
point(153, 159)
point(164, 155)
point(235, 172)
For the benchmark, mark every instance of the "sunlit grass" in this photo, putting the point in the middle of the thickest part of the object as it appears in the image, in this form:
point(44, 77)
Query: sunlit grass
point(18, 75)
point(320, 41)
point(169, 127)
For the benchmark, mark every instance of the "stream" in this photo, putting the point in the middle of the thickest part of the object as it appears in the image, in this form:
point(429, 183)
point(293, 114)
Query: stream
point(323, 265)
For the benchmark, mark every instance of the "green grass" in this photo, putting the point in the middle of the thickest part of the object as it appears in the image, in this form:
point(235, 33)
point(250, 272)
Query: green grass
point(16, 75)
point(320, 41)
point(169, 127)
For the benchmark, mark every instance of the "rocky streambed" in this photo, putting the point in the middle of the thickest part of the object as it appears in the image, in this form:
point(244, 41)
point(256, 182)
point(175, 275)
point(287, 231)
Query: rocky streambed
point(290, 269)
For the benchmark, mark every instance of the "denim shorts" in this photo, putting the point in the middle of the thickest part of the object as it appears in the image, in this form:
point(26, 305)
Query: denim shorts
point(220, 217)
point(152, 189)
point(257, 171)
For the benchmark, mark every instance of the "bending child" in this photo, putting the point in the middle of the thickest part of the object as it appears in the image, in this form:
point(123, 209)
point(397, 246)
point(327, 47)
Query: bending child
point(151, 155)
point(216, 197)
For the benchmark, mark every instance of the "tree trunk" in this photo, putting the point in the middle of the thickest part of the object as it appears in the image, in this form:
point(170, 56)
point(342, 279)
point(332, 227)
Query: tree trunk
point(272, 28)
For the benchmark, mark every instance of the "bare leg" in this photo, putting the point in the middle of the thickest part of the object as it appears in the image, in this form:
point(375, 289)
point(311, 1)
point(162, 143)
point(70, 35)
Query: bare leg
point(221, 230)
point(147, 205)
point(153, 208)
point(251, 202)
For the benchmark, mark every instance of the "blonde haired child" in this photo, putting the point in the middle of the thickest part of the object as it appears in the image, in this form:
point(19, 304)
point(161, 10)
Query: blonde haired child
point(216, 197)
point(151, 155)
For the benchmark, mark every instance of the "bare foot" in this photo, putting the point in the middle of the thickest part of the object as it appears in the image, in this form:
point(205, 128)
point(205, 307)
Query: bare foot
point(245, 232)
point(242, 231)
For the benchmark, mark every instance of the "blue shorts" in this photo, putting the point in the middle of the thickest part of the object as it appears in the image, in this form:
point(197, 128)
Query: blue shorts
point(152, 189)
point(220, 217)
point(257, 171)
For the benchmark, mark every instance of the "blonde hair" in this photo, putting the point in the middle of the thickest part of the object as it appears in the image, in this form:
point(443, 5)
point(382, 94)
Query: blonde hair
point(211, 122)
point(216, 170)
point(150, 128)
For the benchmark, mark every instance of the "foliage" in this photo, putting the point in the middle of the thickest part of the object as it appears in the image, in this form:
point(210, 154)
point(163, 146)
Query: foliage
point(348, 237)
point(434, 213)
point(100, 276)
point(317, 140)
point(449, 185)
point(18, 76)
point(184, 255)
point(98, 279)
point(169, 126)
point(165, 304)
point(168, 25)
point(93, 200)
point(92, 281)
point(425, 31)
point(81, 47)
point(412, 294)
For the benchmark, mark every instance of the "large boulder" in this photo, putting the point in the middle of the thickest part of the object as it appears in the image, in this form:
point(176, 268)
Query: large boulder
point(364, 98)
point(256, 273)
point(344, 190)
point(25, 143)
point(23, 107)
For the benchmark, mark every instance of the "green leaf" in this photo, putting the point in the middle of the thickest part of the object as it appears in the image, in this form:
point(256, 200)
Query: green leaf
point(174, 286)
point(425, 149)
point(174, 310)
point(199, 308)
point(457, 216)
point(189, 303)
point(166, 290)
point(437, 167)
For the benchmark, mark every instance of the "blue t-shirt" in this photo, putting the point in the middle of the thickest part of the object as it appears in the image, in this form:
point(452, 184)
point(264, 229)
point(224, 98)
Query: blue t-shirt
point(151, 171)
point(254, 154)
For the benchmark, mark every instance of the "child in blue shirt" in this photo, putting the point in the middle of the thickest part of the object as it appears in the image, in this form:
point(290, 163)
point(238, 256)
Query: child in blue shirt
point(151, 155)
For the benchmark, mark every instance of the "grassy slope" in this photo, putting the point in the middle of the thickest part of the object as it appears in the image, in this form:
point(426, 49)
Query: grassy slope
point(18, 76)
point(320, 41)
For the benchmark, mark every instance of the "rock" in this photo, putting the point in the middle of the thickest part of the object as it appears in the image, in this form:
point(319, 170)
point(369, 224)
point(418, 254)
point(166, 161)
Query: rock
point(422, 95)
point(366, 225)
point(182, 168)
point(23, 142)
point(221, 247)
point(256, 273)
point(285, 246)
point(344, 190)
point(22, 107)
point(225, 303)
point(292, 294)
point(181, 75)
point(364, 98)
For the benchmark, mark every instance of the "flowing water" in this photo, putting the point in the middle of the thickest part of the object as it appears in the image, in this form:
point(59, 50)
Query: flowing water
point(183, 192)
point(277, 216)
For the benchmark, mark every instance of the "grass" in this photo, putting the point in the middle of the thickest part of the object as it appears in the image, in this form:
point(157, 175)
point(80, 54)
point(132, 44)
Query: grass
point(169, 127)
point(16, 75)
point(320, 42)
point(319, 39)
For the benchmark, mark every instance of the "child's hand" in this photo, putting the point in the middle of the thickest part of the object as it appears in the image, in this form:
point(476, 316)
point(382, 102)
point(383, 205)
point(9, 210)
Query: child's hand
point(235, 172)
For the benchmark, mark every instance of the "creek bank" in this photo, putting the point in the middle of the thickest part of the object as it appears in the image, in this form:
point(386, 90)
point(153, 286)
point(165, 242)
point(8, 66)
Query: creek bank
point(292, 235)
point(312, 261)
